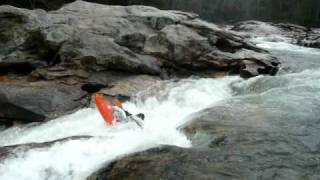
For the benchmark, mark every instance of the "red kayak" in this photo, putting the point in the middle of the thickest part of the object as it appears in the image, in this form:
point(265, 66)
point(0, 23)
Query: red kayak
point(105, 109)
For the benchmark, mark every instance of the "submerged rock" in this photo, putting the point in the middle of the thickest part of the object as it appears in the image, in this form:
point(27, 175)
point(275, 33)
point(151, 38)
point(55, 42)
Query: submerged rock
point(14, 150)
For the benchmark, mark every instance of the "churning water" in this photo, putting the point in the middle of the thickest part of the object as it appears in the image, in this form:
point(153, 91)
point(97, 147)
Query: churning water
point(166, 106)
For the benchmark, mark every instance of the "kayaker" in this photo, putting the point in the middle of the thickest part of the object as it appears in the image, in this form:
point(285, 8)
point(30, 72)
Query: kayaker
point(121, 115)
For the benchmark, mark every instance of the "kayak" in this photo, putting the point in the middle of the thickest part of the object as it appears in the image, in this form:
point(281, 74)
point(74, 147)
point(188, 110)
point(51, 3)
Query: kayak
point(105, 109)
point(106, 112)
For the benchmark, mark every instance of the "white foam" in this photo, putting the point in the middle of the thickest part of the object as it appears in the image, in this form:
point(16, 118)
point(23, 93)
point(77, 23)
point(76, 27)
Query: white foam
point(76, 159)
point(283, 44)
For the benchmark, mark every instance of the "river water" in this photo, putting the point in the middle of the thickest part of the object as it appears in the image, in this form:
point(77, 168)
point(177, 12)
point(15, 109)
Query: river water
point(166, 105)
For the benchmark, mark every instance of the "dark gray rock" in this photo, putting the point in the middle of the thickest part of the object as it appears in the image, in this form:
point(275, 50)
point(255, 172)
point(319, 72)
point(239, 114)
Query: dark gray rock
point(177, 163)
point(39, 101)
point(169, 163)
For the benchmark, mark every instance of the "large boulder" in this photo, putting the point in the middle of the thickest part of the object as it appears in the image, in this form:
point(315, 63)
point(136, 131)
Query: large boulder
point(135, 39)
point(170, 163)
point(38, 101)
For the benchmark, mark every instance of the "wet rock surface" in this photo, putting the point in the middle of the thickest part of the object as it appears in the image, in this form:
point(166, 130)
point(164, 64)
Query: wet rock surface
point(296, 34)
point(169, 163)
point(215, 163)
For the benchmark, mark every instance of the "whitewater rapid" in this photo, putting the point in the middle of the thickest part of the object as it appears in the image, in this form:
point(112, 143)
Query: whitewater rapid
point(166, 106)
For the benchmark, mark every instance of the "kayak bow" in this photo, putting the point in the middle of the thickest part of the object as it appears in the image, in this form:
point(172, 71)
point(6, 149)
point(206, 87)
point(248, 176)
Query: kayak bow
point(105, 109)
